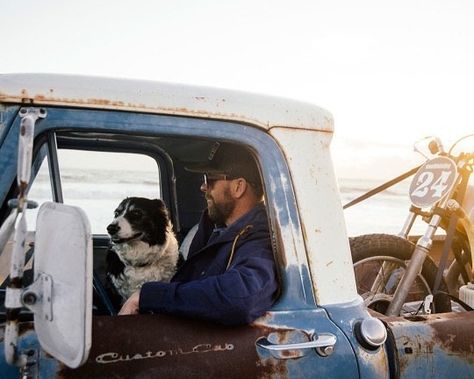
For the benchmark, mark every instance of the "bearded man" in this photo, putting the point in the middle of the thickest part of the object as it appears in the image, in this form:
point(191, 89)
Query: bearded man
point(229, 275)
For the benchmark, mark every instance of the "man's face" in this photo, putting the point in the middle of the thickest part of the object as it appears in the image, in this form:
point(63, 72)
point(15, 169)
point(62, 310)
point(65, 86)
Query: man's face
point(220, 203)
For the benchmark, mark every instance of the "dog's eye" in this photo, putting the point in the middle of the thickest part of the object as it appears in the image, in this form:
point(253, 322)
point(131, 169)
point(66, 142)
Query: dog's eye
point(116, 213)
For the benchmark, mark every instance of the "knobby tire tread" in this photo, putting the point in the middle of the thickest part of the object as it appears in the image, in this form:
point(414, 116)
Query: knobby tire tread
point(371, 245)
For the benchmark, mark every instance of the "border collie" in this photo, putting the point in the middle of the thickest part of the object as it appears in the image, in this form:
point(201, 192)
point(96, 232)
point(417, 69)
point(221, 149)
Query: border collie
point(143, 245)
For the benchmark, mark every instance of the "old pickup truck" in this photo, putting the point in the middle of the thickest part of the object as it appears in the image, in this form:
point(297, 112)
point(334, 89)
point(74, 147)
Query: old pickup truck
point(78, 145)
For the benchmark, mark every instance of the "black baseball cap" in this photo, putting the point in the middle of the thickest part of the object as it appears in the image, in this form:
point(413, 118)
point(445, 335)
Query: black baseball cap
point(228, 159)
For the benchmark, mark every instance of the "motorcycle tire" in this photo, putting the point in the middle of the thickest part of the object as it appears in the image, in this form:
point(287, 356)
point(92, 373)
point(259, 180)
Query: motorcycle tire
point(369, 252)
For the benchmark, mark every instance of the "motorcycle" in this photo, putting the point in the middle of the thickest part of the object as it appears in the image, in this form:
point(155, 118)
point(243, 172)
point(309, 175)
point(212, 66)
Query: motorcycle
point(395, 276)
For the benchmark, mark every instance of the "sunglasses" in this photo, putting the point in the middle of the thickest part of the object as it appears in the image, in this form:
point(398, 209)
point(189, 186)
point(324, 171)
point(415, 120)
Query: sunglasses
point(210, 179)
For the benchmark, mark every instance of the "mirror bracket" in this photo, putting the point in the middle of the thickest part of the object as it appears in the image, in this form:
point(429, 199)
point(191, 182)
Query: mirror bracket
point(37, 297)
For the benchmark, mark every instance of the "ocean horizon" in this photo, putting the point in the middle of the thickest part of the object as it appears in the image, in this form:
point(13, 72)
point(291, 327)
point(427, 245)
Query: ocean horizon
point(383, 213)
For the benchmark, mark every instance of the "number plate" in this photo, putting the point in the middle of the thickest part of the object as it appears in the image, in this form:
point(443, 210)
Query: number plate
point(432, 182)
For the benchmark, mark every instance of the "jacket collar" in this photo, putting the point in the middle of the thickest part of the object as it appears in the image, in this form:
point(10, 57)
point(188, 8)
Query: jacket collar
point(248, 218)
point(255, 215)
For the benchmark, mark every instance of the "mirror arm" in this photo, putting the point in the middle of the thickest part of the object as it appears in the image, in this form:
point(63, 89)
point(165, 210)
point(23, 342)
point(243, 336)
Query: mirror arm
point(17, 224)
point(37, 298)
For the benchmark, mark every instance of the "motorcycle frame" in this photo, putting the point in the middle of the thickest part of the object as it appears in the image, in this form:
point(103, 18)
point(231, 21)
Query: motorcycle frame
point(424, 244)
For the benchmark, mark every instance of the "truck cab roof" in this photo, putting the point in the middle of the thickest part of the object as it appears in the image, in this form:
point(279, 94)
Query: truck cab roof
point(164, 98)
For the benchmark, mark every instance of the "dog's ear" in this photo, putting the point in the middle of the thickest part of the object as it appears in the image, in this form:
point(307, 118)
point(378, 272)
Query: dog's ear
point(122, 203)
point(158, 203)
point(159, 223)
point(160, 207)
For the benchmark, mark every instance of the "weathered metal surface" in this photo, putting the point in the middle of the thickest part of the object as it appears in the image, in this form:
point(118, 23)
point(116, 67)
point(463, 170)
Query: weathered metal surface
point(372, 363)
point(163, 98)
point(320, 211)
point(308, 234)
point(131, 347)
point(7, 114)
point(164, 346)
point(439, 345)
point(39, 364)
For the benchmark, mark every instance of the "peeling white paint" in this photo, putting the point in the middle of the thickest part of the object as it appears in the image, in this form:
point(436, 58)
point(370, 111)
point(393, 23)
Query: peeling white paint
point(161, 98)
point(320, 212)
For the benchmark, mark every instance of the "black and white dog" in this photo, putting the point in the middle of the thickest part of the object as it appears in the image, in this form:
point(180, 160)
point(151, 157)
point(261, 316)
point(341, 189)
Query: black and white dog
point(143, 245)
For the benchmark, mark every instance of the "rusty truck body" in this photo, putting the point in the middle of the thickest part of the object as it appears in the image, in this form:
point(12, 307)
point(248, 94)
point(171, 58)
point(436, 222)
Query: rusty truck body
point(318, 327)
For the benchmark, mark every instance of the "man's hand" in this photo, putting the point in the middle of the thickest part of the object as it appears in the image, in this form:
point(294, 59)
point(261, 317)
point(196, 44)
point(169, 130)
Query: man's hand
point(130, 307)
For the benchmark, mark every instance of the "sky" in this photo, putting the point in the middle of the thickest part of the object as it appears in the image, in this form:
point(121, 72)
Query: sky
point(390, 72)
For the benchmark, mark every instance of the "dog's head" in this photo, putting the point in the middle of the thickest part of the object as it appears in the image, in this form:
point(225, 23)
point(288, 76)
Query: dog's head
point(139, 219)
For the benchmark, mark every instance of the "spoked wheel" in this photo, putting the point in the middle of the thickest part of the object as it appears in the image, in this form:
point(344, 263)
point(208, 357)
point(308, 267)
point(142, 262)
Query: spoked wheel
point(379, 265)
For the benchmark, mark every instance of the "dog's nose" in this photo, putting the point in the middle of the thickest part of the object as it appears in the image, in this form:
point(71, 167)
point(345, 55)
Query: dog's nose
point(113, 229)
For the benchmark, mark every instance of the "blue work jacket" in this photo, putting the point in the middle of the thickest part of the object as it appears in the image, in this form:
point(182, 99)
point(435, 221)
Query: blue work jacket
point(205, 288)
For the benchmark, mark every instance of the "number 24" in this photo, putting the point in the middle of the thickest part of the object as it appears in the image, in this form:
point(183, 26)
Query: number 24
point(438, 186)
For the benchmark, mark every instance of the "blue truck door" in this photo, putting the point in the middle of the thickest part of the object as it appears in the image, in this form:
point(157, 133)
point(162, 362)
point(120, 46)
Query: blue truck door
point(165, 346)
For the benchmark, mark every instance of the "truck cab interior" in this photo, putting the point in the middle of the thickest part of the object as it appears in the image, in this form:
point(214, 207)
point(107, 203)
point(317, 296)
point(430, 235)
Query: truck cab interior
point(97, 167)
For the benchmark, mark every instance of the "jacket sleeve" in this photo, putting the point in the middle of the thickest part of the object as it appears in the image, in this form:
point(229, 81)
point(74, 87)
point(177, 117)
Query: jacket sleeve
point(237, 296)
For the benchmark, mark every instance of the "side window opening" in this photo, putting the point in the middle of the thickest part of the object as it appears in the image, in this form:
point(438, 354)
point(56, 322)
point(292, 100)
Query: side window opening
point(98, 181)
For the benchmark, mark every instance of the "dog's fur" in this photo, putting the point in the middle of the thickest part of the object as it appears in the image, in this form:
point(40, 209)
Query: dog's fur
point(143, 245)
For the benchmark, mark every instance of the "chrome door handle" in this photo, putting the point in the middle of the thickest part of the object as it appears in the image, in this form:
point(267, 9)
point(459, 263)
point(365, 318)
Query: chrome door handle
point(323, 343)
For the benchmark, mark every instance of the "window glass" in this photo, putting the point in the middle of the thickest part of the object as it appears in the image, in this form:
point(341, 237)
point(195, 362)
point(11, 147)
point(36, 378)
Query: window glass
point(98, 181)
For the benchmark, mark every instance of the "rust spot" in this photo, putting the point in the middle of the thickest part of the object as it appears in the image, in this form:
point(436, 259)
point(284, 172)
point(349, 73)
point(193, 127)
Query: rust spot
point(272, 368)
point(25, 327)
point(15, 282)
point(187, 348)
point(105, 102)
point(419, 338)
point(456, 336)
point(415, 318)
point(288, 354)
point(282, 336)
point(92, 103)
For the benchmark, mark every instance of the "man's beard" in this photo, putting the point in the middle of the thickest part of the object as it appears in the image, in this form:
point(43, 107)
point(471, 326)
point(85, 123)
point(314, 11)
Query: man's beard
point(219, 213)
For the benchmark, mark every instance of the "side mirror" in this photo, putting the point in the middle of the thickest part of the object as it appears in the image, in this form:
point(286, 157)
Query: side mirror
point(63, 277)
